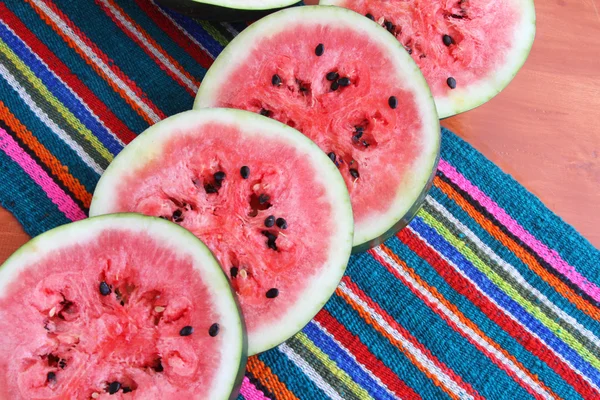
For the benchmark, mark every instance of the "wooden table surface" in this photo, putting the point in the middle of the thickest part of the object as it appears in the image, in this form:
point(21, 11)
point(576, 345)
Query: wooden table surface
point(544, 129)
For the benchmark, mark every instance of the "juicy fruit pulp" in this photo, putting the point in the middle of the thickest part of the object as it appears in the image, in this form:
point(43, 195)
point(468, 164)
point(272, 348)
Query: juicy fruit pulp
point(346, 84)
point(265, 200)
point(467, 50)
point(102, 306)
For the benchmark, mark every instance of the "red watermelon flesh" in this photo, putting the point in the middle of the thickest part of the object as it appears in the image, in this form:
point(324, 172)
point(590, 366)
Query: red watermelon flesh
point(363, 101)
point(282, 233)
point(467, 50)
point(103, 301)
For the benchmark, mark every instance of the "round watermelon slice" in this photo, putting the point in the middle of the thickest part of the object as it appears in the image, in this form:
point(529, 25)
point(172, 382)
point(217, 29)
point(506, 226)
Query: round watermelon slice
point(467, 50)
point(114, 305)
point(347, 84)
point(265, 199)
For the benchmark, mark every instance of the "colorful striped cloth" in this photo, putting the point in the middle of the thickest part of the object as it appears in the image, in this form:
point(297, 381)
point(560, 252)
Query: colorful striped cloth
point(486, 294)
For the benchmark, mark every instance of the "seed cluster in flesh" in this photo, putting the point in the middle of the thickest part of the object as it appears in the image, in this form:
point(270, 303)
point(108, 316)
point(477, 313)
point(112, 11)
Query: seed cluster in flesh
point(105, 326)
point(272, 206)
point(342, 95)
point(450, 40)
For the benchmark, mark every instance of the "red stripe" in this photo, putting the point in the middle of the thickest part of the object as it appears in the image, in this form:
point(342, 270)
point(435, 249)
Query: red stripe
point(459, 283)
point(103, 57)
point(142, 46)
point(464, 320)
point(365, 357)
point(175, 33)
point(100, 109)
point(408, 336)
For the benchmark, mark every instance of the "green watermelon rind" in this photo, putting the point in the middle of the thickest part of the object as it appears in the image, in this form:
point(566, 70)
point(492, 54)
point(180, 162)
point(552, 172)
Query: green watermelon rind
point(244, 5)
point(464, 98)
point(226, 10)
point(168, 232)
point(412, 192)
point(147, 146)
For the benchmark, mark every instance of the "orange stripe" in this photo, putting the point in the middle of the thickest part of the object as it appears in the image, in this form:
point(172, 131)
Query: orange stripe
point(268, 379)
point(85, 57)
point(462, 318)
point(56, 167)
point(527, 258)
point(371, 321)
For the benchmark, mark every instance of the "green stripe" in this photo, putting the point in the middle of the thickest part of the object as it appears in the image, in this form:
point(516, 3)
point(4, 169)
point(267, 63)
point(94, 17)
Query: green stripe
point(566, 337)
point(50, 105)
point(526, 293)
point(208, 27)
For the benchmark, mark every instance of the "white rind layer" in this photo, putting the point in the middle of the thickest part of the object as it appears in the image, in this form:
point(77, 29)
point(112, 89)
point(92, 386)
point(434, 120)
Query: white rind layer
point(410, 189)
point(147, 146)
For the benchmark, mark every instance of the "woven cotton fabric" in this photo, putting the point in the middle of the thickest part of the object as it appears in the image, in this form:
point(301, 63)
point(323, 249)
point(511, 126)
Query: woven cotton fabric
point(486, 294)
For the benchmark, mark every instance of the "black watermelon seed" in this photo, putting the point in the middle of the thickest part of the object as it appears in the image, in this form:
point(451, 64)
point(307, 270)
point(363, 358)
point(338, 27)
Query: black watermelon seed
point(233, 272)
point(359, 128)
point(272, 293)
point(447, 39)
point(335, 85)
point(263, 198)
point(269, 221)
point(393, 102)
point(357, 136)
point(370, 16)
point(177, 214)
point(126, 389)
point(332, 76)
point(51, 377)
point(331, 156)
point(186, 331)
point(104, 289)
point(213, 330)
point(219, 176)
point(114, 387)
point(62, 363)
point(159, 366)
point(451, 82)
point(365, 143)
point(354, 173)
point(281, 223)
point(276, 80)
point(245, 172)
point(319, 50)
point(344, 82)
point(389, 26)
point(210, 188)
point(264, 112)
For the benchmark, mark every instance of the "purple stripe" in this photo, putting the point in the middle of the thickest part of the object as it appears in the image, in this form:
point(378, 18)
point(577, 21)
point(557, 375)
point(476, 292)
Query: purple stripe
point(39, 176)
point(548, 255)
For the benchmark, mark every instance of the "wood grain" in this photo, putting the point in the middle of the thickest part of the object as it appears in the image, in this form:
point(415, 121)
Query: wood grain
point(544, 129)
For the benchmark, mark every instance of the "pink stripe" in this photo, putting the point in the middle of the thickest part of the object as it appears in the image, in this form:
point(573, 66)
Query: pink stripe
point(250, 392)
point(550, 256)
point(39, 176)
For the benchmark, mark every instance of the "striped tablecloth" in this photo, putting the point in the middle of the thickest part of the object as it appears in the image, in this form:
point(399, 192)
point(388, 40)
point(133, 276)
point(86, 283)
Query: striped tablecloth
point(486, 294)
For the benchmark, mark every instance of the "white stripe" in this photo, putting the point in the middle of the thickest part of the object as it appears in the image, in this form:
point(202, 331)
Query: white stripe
point(229, 28)
point(363, 367)
point(498, 355)
point(155, 51)
point(65, 86)
point(513, 272)
point(47, 121)
point(505, 311)
point(186, 33)
point(309, 371)
point(96, 60)
point(421, 357)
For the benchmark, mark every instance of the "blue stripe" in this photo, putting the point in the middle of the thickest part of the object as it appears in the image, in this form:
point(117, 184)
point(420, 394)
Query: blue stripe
point(490, 289)
point(197, 32)
point(555, 382)
point(345, 362)
point(60, 90)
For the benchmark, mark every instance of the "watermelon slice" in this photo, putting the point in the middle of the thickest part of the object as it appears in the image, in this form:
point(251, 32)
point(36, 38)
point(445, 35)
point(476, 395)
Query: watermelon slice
point(346, 83)
point(114, 305)
point(226, 10)
point(265, 199)
point(468, 50)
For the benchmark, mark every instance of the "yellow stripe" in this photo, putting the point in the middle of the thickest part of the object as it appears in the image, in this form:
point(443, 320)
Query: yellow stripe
point(67, 115)
point(214, 33)
point(510, 290)
point(332, 367)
